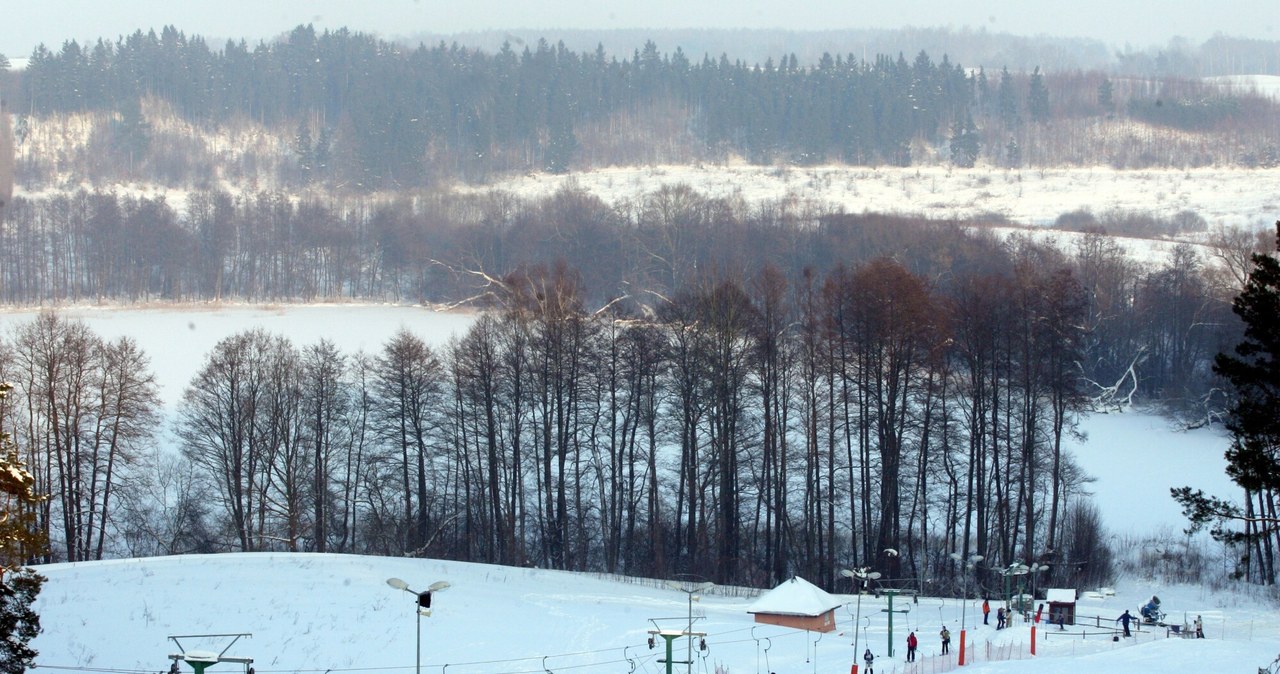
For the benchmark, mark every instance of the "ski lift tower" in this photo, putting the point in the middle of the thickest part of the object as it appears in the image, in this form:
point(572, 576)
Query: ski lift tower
point(201, 660)
point(670, 635)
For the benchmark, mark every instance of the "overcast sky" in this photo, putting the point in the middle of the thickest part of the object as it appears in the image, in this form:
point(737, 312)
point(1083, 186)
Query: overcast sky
point(1140, 23)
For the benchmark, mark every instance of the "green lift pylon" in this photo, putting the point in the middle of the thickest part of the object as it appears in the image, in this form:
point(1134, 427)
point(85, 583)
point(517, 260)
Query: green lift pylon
point(202, 660)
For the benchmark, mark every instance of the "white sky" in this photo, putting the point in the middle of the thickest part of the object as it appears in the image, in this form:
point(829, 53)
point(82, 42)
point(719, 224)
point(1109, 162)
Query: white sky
point(1140, 23)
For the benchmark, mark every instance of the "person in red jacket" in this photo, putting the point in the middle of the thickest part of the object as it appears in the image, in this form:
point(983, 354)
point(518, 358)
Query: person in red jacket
point(986, 610)
point(912, 642)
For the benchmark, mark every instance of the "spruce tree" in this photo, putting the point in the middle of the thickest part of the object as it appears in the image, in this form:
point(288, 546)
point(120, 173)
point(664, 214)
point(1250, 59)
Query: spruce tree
point(1038, 97)
point(965, 143)
point(1106, 96)
point(20, 539)
point(1253, 460)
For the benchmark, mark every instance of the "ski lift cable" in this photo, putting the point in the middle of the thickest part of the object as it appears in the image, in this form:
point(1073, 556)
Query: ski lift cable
point(394, 668)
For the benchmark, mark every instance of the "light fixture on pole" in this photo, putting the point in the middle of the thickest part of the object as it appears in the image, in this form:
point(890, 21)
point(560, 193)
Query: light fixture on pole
point(1014, 569)
point(859, 577)
point(424, 607)
point(1035, 573)
point(691, 589)
point(968, 564)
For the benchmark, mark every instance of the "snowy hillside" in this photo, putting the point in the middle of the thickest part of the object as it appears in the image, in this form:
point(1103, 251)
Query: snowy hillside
point(335, 613)
point(1222, 196)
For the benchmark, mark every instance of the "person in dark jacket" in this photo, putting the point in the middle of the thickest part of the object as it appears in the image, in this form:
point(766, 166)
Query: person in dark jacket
point(868, 658)
point(946, 639)
point(1124, 620)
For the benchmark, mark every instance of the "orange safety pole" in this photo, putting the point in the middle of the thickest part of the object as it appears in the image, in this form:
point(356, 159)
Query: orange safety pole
point(853, 669)
point(961, 648)
point(1033, 639)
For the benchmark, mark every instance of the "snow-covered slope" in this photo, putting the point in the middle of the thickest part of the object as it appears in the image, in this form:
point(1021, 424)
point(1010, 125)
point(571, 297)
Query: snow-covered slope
point(335, 613)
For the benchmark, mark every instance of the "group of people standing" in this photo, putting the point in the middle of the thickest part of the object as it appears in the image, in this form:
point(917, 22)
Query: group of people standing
point(1003, 615)
point(1002, 621)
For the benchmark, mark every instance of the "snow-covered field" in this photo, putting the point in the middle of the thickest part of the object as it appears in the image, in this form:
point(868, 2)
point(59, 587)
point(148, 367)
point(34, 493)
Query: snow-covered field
point(336, 613)
point(1222, 196)
point(178, 337)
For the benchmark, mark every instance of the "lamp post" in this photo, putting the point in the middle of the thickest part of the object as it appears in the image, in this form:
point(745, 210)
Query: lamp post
point(1014, 569)
point(859, 577)
point(424, 607)
point(968, 564)
point(1036, 569)
point(692, 590)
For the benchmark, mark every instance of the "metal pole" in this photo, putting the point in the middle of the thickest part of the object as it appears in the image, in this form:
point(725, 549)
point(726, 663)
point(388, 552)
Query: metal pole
point(890, 594)
point(418, 610)
point(857, 619)
point(964, 606)
point(688, 637)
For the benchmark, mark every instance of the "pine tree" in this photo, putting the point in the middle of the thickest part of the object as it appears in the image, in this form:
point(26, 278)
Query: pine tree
point(1012, 153)
point(1008, 100)
point(964, 143)
point(1038, 97)
point(1106, 96)
point(1253, 460)
point(20, 539)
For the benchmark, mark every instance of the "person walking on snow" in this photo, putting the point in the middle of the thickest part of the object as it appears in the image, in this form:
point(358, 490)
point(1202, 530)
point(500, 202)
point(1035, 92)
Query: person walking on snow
point(986, 611)
point(912, 642)
point(1124, 620)
point(868, 658)
point(1199, 628)
point(946, 639)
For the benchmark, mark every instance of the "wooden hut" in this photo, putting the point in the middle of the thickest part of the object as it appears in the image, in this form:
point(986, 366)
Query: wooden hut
point(797, 603)
point(1062, 606)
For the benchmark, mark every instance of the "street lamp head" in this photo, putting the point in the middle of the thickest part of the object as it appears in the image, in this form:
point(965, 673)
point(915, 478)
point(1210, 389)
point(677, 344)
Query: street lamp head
point(691, 588)
point(397, 584)
point(438, 586)
point(864, 573)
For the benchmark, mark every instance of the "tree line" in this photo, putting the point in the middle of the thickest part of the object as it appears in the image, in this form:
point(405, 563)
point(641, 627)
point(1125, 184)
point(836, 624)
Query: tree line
point(1152, 329)
point(745, 428)
point(361, 113)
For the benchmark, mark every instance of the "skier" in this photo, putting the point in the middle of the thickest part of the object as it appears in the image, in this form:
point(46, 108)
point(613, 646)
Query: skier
point(868, 658)
point(1124, 621)
point(1000, 618)
point(986, 610)
point(912, 642)
point(946, 639)
point(1199, 628)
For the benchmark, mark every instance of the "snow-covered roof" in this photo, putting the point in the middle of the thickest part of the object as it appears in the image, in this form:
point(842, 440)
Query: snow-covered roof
point(1060, 596)
point(794, 597)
